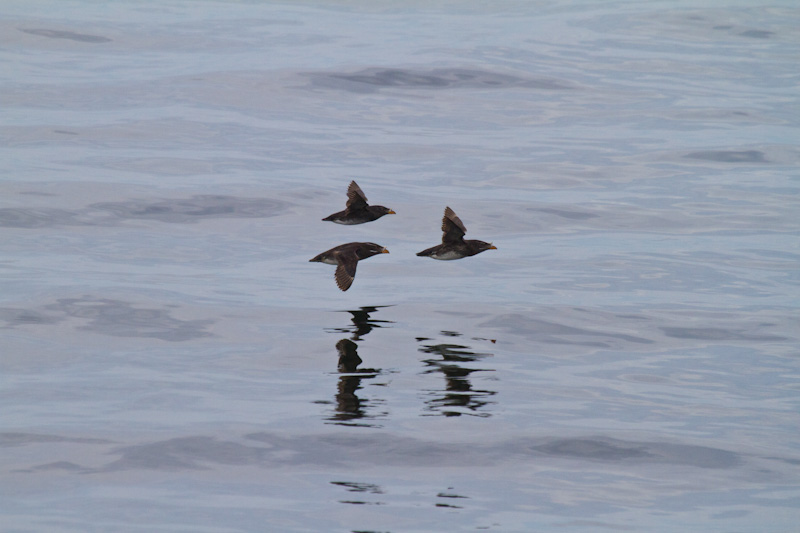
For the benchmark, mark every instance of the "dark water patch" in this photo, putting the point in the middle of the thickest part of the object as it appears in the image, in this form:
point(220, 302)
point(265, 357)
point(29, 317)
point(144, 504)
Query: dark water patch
point(58, 466)
point(591, 449)
point(63, 34)
point(757, 34)
point(787, 460)
point(177, 211)
point(19, 317)
point(752, 34)
point(203, 452)
point(65, 132)
point(594, 525)
point(643, 378)
point(373, 448)
point(729, 156)
point(614, 450)
point(717, 334)
point(23, 439)
point(265, 450)
point(726, 515)
point(564, 213)
point(186, 453)
point(37, 193)
point(182, 211)
point(553, 333)
point(372, 79)
point(763, 252)
point(14, 217)
point(121, 319)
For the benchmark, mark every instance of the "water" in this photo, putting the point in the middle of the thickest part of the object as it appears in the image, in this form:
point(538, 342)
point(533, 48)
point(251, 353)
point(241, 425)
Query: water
point(626, 360)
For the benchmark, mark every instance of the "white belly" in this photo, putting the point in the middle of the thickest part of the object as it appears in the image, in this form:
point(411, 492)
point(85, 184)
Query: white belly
point(446, 256)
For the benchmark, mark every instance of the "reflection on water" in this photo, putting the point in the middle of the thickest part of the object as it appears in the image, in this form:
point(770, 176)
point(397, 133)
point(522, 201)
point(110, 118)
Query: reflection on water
point(348, 356)
point(450, 496)
point(362, 488)
point(161, 188)
point(362, 323)
point(453, 360)
point(350, 407)
point(368, 494)
point(458, 397)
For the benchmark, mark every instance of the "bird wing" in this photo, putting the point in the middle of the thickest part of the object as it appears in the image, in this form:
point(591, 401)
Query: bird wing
point(346, 270)
point(356, 199)
point(452, 227)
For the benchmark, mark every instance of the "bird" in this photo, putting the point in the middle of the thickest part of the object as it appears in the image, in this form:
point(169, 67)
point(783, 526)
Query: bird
point(356, 210)
point(453, 244)
point(346, 258)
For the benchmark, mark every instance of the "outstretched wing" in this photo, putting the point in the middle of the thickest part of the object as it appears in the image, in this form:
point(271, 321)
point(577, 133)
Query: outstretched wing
point(452, 227)
point(346, 270)
point(356, 200)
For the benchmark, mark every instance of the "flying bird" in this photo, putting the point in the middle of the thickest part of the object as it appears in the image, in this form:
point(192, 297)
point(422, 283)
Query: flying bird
point(346, 258)
point(356, 210)
point(453, 244)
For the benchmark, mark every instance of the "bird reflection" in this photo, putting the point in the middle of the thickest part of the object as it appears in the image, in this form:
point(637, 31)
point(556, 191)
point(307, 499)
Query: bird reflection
point(459, 397)
point(349, 359)
point(350, 408)
point(362, 323)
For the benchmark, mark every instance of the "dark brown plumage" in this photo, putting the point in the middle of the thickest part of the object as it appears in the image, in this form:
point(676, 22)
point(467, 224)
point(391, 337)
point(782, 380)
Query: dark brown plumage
point(346, 258)
point(348, 355)
point(453, 244)
point(356, 210)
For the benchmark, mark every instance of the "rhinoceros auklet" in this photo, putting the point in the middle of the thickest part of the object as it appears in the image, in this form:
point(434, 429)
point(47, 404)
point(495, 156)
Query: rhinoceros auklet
point(346, 258)
point(356, 210)
point(453, 244)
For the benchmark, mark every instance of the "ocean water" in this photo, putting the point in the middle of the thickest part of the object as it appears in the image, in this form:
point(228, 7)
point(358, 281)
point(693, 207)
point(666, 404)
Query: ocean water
point(626, 360)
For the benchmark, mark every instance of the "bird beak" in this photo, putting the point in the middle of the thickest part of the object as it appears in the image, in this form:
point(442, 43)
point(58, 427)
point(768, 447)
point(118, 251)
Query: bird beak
point(391, 212)
point(493, 247)
point(384, 251)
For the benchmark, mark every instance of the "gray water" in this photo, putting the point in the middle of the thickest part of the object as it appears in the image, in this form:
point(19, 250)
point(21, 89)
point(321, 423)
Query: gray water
point(626, 360)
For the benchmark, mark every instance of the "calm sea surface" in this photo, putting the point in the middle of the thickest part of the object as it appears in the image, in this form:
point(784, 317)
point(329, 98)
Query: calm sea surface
point(626, 360)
